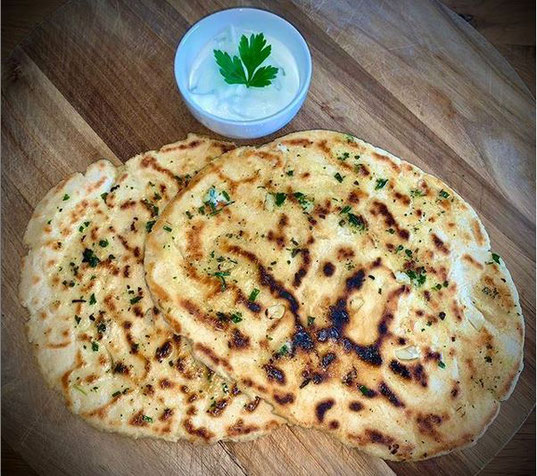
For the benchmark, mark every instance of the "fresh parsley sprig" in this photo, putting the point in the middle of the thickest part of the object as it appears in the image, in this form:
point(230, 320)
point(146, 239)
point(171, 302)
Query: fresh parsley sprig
point(245, 69)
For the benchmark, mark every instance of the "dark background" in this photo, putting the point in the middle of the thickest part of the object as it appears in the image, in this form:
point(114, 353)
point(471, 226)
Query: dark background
point(508, 24)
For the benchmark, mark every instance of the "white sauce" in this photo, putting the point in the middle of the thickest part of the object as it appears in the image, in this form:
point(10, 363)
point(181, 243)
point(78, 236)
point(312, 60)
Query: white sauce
point(235, 101)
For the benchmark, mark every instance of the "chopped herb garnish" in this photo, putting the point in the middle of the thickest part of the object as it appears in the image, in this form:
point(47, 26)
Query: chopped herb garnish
point(103, 196)
point(311, 320)
point(418, 277)
point(166, 228)
point(279, 198)
point(364, 390)
point(346, 209)
point(391, 231)
point(146, 418)
point(343, 156)
point(157, 196)
point(189, 215)
point(94, 346)
point(78, 319)
point(338, 177)
point(290, 173)
point(417, 192)
point(66, 197)
point(92, 299)
point(356, 221)
point(103, 243)
point(304, 201)
point(149, 226)
point(294, 251)
point(136, 299)
point(213, 198)
point(381, 183)
point(89, 257)
point(443, 194)
point(115, 394)
point(152, 207)
point(236, 317)
point(496, 258)
point(408, 253)
point(253, 295)
point(399, 248)
point(283, 350)
point(101, 327)
point(221, 275)
point(442, 315)
point(441, 364)
point(245, 68)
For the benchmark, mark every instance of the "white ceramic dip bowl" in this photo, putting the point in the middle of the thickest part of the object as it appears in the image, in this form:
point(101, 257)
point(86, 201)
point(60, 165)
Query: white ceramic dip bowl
point(259, 21)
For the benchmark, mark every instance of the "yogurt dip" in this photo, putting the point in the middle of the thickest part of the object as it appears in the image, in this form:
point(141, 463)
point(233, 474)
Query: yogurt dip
point(210, 92)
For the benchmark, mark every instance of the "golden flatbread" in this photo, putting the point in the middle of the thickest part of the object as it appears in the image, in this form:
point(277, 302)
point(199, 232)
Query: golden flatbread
point(348, 288)
point(98, 338)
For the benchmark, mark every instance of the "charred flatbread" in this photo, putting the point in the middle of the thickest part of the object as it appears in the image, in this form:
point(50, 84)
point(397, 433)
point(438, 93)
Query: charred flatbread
point(351, 290)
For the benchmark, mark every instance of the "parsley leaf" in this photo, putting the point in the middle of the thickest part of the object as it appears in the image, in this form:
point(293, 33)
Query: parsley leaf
point(230, 69)
point(252, 52)
point(263, 76)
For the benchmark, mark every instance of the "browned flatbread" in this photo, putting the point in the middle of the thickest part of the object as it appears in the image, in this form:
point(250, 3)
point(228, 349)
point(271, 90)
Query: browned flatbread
point(98, 338)
point(348, 288)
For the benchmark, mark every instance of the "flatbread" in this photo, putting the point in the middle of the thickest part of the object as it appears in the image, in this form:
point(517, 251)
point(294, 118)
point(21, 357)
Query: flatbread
point(348, 288)
point(98, 338)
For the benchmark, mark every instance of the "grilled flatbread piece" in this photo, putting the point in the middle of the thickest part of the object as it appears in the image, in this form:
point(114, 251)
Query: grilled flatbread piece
point(348, 288)
point(98, 338)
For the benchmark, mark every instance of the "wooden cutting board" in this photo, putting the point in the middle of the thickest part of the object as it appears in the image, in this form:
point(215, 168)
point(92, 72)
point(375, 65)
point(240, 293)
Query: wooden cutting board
point(96, 80)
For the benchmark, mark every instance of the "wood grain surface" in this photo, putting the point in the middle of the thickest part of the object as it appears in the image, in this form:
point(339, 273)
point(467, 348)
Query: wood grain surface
point(412, 77)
